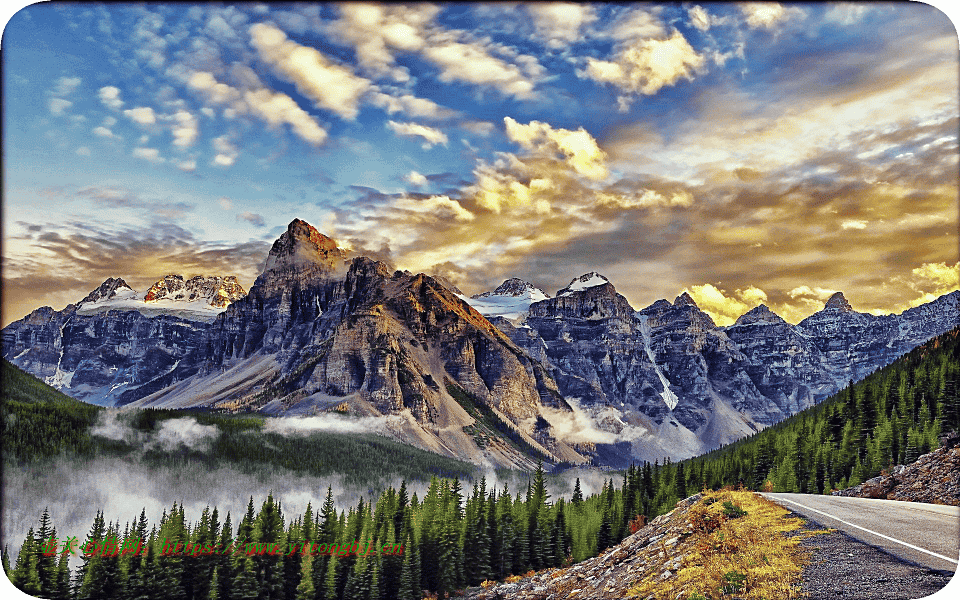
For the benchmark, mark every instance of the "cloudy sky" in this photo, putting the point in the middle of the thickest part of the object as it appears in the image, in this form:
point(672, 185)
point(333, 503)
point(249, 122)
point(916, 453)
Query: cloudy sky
point(747, 153)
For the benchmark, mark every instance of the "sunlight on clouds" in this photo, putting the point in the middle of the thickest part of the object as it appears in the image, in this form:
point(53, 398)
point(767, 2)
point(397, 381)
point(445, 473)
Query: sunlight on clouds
point(150, 154)
point(933, 280)
point(578, 147)
point(226, 152)
point(853, 224)
point(331, 86)
point(186, 129)
point(725, 309)
point(647, 65)
point(416, 178)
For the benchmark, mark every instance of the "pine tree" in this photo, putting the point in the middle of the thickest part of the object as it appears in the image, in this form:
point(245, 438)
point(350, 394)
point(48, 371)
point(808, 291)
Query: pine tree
point(577, 498)
point(25, 575)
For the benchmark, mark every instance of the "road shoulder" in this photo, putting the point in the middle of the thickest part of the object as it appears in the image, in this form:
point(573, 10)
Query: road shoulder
point(842, 567)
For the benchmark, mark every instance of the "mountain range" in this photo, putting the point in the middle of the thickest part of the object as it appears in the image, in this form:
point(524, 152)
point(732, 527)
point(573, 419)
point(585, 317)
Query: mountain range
point(498, 378)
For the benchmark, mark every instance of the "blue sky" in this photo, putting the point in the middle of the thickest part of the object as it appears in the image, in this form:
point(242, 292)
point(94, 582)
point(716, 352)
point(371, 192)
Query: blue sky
point(744, 152)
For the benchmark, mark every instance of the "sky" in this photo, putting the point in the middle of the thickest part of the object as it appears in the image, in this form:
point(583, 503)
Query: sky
point(744, 152)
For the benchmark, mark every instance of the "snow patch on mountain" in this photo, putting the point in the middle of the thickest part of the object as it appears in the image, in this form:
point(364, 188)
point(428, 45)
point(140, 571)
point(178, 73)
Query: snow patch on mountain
point(511, 300)
point(197, 299)
point(587, 280)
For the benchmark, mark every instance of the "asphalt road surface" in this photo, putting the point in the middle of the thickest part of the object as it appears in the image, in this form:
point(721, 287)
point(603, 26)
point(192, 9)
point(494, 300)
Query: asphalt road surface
point(925, 534)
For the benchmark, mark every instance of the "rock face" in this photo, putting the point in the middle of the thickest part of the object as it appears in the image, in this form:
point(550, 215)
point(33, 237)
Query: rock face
point(582, 374)
point(218, 292)
point(934, 478)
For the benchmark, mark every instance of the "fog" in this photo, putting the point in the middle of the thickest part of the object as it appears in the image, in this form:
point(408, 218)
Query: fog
point(73, 490)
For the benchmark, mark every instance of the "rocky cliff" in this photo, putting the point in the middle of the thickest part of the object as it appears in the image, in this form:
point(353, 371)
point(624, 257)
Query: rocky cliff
point(493, 377)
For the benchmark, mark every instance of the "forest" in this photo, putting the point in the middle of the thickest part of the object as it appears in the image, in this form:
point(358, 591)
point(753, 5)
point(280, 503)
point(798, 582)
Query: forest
point(455, 537)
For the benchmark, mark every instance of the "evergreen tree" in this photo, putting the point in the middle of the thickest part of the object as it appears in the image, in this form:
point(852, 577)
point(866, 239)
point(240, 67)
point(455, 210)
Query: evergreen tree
point(25, 574)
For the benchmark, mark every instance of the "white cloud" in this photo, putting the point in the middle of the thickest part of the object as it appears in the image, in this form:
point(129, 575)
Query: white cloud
point(188, 165)
point(474, 63)
point(276, 108)
point(226, 152)
point(65, 86)
point(216, 92)
point(431, 136)
point(377, 31)
point(558, 24)
point(410, 105)
point(150, 154)
point(767, 15)
point(646, 66)
point(103, 132)
point(185, 130)
point(699, 18)
point(142, 114)
point(225, 203)
point(83, 151)
point(331, 86)
point(110, 96)
point(416, 178)
point(579, 148)
point(57, 106)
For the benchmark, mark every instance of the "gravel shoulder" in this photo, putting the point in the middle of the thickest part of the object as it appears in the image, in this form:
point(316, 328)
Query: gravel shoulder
point(844, 568)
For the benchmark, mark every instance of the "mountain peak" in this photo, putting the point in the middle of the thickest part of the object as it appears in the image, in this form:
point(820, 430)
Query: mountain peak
point(838, 302)
point(108, 289)
point(218, 292)
point(302, 245)
point(587, 280)
point(759, 314)
point(515, 287)
point(685, 299)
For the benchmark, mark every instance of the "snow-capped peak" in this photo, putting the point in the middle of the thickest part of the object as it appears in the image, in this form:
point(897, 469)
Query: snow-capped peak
point(511, 300)
point(587, 280)
point(198, 298)
point(516, 288)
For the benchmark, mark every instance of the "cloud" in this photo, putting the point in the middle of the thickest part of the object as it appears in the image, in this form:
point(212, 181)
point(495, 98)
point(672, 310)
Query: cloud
point(226, 152)
point(416, 178)
point(276, 108)
point(57, 106)
point(853, 224)
point(378, 31)
point(430, 135)
point(558, 24)
point(578, 147)
point(303, 426)
point(110, 97)
point(410, 105)
point(150, 154)
point(142, 114)
point(767, 15)
point(474, 63)
point(273, 107)
point(723, 307)
point(252, 218)
point(932, 280)
point(83, 151)
point(103, 132)
point(699, 18)
point(331, 86)
point(646, 65)
point(69, 259)
point(188, 165)
point(225, 203)
point(185, 130)
point(65, 86)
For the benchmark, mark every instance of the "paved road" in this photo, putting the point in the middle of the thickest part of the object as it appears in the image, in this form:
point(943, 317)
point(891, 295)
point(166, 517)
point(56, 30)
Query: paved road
point(926, 534)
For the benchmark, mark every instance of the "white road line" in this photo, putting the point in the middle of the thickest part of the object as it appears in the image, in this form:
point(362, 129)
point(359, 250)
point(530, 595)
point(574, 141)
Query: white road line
point(886, 537)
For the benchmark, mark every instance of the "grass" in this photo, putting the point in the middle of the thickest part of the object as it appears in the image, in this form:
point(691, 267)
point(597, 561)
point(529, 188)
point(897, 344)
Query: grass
point(737, 549)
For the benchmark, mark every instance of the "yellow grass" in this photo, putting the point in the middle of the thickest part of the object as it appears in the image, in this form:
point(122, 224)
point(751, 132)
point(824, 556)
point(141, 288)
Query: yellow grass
point(728, 557)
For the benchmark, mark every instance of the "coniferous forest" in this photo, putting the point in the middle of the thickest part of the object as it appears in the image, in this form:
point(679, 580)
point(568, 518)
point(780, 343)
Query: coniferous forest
point(458, 536)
